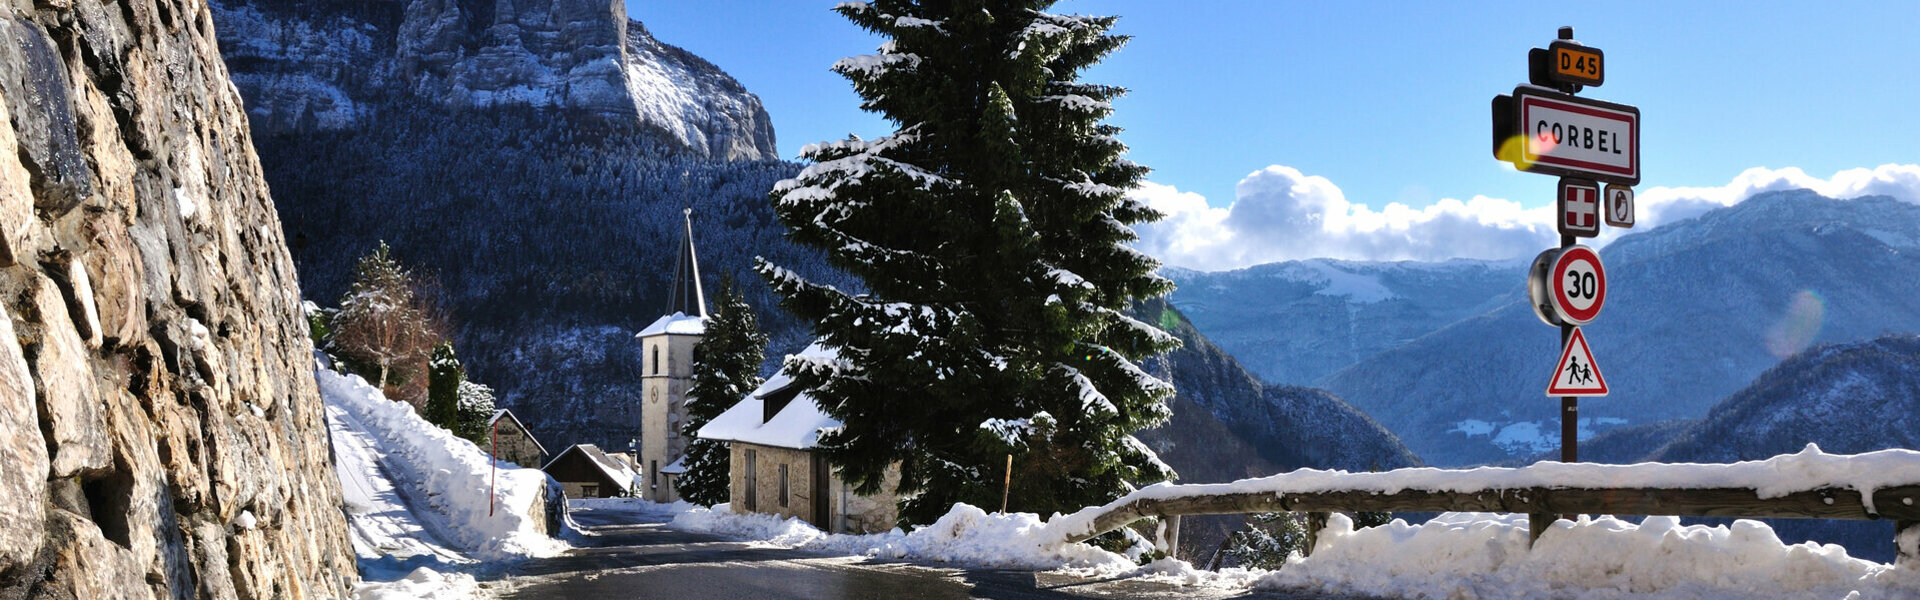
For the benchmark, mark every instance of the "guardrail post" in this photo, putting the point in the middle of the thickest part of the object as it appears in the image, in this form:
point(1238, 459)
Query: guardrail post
point(1170, 535)
point(1537, 523)
point(1316, 521)
point(1906, 537)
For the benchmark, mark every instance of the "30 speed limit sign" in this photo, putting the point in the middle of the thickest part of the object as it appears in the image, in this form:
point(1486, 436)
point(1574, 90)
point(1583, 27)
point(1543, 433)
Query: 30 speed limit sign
point(1567, 285)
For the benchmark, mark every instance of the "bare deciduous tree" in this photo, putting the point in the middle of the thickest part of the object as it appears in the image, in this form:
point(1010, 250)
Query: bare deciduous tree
point(388, 325)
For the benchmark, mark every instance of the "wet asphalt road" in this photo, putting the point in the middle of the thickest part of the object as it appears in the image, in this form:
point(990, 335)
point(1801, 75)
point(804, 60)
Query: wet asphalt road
point(647, 560)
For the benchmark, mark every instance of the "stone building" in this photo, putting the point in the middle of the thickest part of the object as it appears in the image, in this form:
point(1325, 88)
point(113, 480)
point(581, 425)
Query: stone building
point(666, 371)
point(771, 435)
point(585, 472)
point(512, 442)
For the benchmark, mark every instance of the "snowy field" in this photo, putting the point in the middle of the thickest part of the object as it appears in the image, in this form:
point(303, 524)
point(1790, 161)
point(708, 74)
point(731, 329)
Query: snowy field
point(417, 499)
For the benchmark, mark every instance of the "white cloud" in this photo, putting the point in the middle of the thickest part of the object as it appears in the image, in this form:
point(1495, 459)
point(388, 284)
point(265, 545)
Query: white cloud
point(1282, 214)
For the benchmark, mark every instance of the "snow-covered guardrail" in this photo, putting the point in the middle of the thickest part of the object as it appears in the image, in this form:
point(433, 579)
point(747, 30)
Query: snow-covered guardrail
point(1808, 484)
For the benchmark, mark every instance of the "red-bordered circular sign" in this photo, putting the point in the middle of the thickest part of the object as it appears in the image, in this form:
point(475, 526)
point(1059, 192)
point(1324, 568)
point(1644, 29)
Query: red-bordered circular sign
point(1579, 285)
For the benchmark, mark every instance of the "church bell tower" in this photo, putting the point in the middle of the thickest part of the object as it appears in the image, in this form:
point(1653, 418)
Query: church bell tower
point(666, 370)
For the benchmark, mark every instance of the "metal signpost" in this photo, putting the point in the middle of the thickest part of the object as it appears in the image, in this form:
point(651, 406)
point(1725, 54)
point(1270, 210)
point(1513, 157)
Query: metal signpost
point(1544, 128)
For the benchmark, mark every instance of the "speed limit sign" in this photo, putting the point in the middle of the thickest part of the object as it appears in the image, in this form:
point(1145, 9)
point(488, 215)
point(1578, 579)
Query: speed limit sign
point(1567, 285)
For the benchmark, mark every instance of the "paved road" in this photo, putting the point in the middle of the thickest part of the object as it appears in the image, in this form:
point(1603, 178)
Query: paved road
point(647, 560)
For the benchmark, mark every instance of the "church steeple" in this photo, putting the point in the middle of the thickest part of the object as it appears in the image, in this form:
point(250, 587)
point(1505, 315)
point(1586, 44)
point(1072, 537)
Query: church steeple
point(686, 296)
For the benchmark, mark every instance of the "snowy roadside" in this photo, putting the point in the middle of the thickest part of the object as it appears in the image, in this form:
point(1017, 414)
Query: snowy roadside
point(965, 537)
point(1457, 555)
point(417, 498)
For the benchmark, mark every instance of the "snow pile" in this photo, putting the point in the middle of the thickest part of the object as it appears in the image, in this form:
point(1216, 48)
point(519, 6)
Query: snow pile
point(1462, 555)
point(965, 535)
point(422, 584)
point(423, 473)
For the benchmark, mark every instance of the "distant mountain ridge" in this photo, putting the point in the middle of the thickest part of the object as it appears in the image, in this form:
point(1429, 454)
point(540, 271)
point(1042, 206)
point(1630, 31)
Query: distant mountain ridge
point(1449, 356)
point(1847, 398)
point(1297, 321)
point(1696, 310)
point(328, 64)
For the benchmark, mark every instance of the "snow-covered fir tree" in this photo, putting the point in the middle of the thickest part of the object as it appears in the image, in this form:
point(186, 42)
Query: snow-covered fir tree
point(727, 370)
point(476, 411)
point(990, 230)
point(444, 375)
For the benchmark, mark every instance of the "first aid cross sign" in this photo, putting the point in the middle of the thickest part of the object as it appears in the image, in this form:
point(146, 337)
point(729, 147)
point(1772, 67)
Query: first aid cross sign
point(1579, 207)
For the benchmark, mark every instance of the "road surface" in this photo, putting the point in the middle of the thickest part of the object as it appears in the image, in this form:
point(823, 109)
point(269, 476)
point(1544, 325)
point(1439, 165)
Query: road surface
point(644, 559)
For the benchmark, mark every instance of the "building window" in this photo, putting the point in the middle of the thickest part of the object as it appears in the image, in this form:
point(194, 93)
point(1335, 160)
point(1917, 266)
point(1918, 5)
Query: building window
point(653, 472)
point(753, 483)
point(783, 485)
point(589, 491)
point(656, 360)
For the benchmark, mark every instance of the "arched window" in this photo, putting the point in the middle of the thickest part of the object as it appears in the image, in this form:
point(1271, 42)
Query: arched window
point(656, 360)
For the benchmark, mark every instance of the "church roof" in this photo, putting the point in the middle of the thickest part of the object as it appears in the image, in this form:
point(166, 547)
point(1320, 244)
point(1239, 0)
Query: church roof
point(797, 426)
point(685, 296)
point(675, 324)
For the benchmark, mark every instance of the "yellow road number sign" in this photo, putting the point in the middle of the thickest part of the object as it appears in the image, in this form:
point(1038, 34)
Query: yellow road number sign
point(1577, 64)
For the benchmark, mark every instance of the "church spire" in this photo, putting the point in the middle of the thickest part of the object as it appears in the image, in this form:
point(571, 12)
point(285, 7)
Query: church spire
point(686, 297)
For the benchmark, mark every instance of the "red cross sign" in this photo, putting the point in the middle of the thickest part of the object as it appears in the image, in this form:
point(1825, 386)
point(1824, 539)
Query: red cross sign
point(1579, 207)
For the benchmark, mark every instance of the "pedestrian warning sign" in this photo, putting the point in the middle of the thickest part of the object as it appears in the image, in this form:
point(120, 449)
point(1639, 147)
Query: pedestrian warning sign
point(1577, 373)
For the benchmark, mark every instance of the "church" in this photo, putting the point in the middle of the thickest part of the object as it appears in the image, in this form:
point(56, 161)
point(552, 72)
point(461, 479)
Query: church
point(666, 370)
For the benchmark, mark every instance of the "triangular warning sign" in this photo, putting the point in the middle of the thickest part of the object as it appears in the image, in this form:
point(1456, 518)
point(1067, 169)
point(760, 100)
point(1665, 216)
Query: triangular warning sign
point(1577, 374)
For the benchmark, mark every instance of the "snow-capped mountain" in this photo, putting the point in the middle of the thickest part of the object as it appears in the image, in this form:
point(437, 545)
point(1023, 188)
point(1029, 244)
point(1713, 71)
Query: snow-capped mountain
point(1695, 310)
point(327, 64)
point(1294, 322)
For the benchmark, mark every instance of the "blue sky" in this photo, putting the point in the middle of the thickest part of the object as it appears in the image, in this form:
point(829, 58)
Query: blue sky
point(1388, 102)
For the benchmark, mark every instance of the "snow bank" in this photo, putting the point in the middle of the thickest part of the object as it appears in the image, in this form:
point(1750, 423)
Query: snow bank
point(1809, 469)
point(422, 584)
point(1461, 555)
point(965, 535)
point(443, 478)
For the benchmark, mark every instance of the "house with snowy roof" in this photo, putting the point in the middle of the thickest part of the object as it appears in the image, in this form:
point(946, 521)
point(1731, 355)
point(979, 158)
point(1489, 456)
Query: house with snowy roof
point(511, 441)
point(584, 471)
point(771, 435)
point(666, 371)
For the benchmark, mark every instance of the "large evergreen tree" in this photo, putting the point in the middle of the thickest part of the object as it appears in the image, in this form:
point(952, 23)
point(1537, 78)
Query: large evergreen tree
point(728, 368)
point(990, 230)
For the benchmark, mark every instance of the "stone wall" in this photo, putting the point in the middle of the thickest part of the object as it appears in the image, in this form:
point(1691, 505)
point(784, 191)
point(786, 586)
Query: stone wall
point(160, 430)
point(847, 512)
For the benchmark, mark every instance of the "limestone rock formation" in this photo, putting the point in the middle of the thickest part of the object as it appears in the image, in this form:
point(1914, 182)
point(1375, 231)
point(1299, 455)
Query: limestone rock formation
point(160, 432)
point(326, 64)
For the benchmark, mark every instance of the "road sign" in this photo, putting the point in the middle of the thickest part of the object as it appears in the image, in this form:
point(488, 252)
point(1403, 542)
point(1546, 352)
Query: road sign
point(1578, 284)
point(1577, 374)
point(1578, 207)
point(1618, 206)
point(1574, 63)
point(1543, 131)
point(1537, 293)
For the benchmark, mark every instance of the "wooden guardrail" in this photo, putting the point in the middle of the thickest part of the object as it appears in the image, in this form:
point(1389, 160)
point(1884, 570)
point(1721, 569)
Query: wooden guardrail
point(1900, 504)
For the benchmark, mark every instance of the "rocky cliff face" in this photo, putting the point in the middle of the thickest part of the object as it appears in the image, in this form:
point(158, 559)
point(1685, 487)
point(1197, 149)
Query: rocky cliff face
point(160, 433)
point(323, 64)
